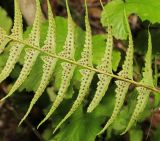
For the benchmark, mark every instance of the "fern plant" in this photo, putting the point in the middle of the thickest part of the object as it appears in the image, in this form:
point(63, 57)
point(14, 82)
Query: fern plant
point(48, 54)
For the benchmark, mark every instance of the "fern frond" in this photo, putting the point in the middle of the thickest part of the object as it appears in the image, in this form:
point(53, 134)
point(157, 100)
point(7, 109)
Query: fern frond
point(106, 65)
point(68, 69)
point(143, 93)
point(17, 32)
point(138, 84)
point(31, 54)
point(122, 87)
point(49, 57)
point(49, 62)
point(87, 75)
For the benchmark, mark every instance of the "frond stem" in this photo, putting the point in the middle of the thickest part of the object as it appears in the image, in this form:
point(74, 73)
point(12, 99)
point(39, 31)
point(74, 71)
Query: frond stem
point(137, 84)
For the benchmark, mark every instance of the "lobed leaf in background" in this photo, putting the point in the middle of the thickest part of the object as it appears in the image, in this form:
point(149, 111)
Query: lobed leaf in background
point(114, 11)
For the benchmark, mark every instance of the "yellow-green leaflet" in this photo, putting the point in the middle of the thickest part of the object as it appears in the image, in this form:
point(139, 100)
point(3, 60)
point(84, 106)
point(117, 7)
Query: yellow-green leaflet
point(106, 65)
point(31, 55)
point(49, 62)
point(143, 93)
point(3, 40)
point(87, 75)
point(68, 69)
point(17, 32)
point(122, 87)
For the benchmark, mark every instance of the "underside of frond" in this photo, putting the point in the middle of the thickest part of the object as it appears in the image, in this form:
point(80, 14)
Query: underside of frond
point(49, 57)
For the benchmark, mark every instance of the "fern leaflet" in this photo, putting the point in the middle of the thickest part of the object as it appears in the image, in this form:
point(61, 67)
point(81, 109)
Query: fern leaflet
point(31, 55)
point(122, 87)
point(17, 32)
point(143, 96)
point(87, 75)
point(106, 66)
point(3, 40)
point(49, 62)
point(68, 69)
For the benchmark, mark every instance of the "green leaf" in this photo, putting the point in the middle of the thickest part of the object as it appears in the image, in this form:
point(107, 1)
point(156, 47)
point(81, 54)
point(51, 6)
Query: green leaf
point(121, 121)
point(135, 135)
point(116, 57)
point(5, 22)
point(113, 14)
point(77, 129)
